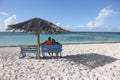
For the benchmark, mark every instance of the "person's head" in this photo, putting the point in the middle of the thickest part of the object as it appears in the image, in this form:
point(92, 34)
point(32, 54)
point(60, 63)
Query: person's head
point(53, 40)
point(49, 38)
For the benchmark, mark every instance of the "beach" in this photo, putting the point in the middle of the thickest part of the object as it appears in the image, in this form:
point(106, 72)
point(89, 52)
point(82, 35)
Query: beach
point(100, 61)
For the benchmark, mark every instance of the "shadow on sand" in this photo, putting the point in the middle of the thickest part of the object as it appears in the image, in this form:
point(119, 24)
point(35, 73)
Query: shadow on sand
point(91, 60)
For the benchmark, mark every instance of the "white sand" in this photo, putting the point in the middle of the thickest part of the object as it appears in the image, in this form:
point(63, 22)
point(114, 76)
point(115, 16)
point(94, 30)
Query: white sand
point(79, 62)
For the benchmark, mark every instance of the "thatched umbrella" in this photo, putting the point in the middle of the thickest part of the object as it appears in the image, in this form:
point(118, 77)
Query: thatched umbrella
point(37, 26)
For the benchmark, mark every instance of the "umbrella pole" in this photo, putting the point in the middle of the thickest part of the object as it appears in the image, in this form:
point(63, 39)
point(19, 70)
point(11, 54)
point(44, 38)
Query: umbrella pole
point(38, 40)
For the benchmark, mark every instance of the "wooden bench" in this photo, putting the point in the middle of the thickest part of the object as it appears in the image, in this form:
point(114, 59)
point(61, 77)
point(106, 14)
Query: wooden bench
point(51, 48)
point(25, 50)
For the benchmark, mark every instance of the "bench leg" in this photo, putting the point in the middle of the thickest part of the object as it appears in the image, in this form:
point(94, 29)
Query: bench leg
point(60, 55)
point(21, 55)
point(36, 55)
point(24, 55)
point(43, 55)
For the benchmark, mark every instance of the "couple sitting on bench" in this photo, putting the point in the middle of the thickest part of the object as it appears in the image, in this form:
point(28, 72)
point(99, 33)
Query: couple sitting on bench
point(48, 46)
point(49, 43)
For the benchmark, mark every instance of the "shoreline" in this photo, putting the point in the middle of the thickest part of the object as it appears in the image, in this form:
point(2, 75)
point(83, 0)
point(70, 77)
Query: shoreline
point(62, 44)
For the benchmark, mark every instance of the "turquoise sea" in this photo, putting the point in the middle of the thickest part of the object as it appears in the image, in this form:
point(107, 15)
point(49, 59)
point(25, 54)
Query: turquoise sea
point(21, 38)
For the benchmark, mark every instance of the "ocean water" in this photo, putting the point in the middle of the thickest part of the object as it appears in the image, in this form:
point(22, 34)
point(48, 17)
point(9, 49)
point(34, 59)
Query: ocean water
point(21, 38)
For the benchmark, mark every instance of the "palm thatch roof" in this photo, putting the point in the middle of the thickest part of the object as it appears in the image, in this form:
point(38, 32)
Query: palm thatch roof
point(37, 25)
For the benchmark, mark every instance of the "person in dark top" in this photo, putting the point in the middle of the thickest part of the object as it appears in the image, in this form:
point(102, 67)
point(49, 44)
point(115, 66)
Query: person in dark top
point(54, 43)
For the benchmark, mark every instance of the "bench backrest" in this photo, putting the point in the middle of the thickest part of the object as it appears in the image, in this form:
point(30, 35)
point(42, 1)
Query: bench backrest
point(23, 47)
point(51, 48)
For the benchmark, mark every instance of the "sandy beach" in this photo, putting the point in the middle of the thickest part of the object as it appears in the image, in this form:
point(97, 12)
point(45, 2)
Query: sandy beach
point(79, 62)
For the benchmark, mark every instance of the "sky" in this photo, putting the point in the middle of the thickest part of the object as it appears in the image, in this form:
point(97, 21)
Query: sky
point(74, 15)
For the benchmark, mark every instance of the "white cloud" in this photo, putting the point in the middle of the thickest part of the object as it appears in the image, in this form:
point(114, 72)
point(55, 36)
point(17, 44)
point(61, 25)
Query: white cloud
point(67, 27)
point(58, 24)
point(97, 24)
point(101, 18)
point(10, 20)
point(4, 13)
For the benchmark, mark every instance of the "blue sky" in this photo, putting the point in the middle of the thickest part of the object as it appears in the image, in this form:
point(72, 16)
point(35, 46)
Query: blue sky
point(75, 15)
